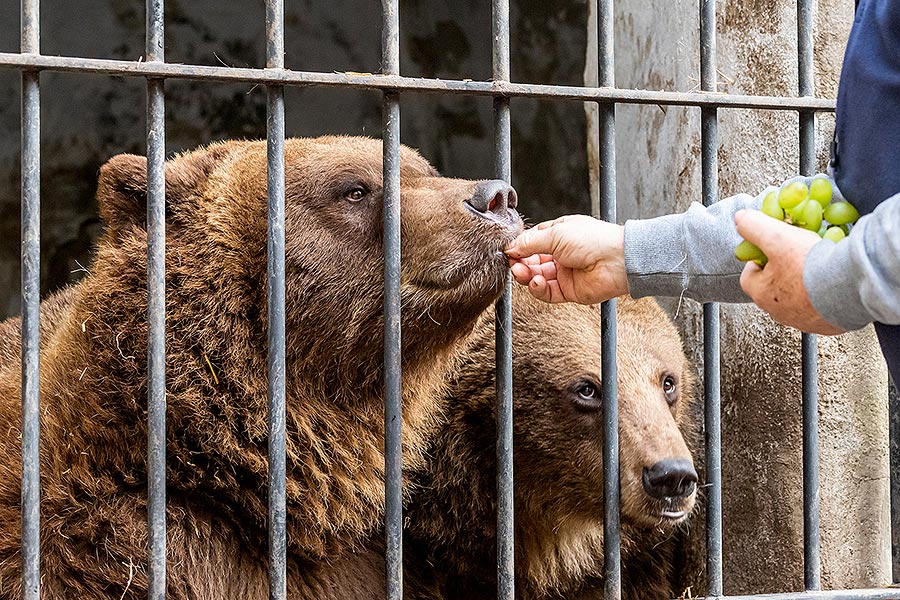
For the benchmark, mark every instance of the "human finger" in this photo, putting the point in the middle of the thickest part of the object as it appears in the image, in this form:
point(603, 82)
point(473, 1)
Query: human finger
point(539, 288)
point(531, 241)
point(760, 229)
point(750, 278)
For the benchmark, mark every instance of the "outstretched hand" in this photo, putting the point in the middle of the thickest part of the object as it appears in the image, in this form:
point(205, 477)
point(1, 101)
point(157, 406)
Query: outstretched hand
point(574, 258)
point(778, 288)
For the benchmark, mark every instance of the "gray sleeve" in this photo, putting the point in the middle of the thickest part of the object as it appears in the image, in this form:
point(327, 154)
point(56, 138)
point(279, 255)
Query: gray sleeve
point(688, 254)
point(857, 280)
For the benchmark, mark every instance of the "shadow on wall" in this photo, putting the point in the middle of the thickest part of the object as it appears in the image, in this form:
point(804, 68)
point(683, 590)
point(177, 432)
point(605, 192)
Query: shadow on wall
point(87, 119)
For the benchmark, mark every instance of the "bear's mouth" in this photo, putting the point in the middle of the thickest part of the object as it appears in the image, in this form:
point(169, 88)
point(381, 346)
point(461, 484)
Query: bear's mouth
point(674, 516)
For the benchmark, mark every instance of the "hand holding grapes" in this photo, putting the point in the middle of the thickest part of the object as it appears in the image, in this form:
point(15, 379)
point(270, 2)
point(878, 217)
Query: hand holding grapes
point(778, 287)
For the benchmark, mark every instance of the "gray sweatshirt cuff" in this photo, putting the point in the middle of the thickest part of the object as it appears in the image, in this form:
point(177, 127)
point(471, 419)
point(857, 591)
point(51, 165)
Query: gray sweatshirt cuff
point(653, 251)
point(689, 254)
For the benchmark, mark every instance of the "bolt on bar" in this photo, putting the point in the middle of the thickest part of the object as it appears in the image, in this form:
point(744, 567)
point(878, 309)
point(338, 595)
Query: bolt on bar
point(393, 392)
point(503, 327)
point(809, 343)
point(711, 351)
point(156, 309)
point(606, 114)
point(276, 317)
point(31, 299)
point(397, 83)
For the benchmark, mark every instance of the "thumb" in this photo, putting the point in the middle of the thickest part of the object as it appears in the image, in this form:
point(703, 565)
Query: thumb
point(760, 229)
point(532, 241)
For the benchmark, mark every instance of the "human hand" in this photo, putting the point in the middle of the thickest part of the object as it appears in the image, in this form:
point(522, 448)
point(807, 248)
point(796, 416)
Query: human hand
point(778, 288)
point(574, 258)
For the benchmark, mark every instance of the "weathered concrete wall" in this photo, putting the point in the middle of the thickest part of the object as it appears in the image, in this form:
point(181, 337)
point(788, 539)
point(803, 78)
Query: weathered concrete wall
point(658, 172)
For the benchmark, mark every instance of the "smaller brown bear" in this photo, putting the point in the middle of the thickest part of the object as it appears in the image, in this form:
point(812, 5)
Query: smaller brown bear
point(557, 454)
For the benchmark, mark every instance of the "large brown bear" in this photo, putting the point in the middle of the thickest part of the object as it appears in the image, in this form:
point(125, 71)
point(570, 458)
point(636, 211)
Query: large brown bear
point(557, 452)
point(93, 376)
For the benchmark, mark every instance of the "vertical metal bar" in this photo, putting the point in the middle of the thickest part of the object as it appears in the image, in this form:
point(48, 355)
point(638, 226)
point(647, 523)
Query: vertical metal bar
point(393, 392)
point(276, 317)
point(503, 327)
point(156, 308)
point(711, 352)
point(809, 343)
point(612, 570)
point(31, 297)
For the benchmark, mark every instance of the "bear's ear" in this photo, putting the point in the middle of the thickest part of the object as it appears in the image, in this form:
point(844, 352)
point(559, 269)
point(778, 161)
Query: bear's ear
point(122, 191)
point(122, 186)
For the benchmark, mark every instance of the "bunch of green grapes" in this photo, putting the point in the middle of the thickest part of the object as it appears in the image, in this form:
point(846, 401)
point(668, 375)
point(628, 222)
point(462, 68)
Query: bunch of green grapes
point(807, 207)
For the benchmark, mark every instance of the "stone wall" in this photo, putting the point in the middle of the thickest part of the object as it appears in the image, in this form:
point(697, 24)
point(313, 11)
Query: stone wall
point(659, 171)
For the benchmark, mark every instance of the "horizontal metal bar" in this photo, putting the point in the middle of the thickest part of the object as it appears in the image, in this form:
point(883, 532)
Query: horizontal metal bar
point(101, 66)
point(862, 594)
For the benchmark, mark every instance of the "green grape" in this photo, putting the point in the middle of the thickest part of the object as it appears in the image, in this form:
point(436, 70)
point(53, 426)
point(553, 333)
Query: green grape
point(812, 215)
point(762, 261)
point(820, 191)
point(796, 213)
point(835, 234)
point(822, 229)
point(771, 208)
point(747, 251)
point(792, 194)
point(841, 213)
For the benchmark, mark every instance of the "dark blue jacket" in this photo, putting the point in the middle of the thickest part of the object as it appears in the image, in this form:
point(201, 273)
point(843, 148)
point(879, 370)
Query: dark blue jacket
point(866, 155)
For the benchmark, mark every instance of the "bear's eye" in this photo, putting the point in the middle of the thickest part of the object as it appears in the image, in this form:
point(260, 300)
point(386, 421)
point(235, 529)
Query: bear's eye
point(587, 396)
point(356, 193)
point(670, 389)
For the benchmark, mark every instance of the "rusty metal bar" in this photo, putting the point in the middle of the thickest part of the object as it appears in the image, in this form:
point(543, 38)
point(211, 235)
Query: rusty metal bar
point(812, 538)
point(609, 387)
point(393, 392)
point(503, 327)
point(409, 84)
point(31, 298)
point(276, 304)
point(156, 308)
point(709, 151)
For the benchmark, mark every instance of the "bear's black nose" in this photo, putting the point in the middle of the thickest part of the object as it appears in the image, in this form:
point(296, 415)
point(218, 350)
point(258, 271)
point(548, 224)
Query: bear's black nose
point(493, 197)
point(670, 478)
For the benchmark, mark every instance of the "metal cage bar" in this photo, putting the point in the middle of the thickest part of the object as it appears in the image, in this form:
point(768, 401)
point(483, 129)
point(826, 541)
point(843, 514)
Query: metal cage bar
point(503, 325)
point(31, 298)
point(606, 114)
point(809, 343)
point(156, 308)
point(385, 82)
point(276, 307)
point(709, 144)
point(393, 392)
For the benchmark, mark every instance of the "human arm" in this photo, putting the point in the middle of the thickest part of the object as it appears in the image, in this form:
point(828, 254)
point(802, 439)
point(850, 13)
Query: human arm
point(581, 259)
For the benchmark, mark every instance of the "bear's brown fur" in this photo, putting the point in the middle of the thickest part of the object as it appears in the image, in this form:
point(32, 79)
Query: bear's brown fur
point(93, 375)
point(557, 451)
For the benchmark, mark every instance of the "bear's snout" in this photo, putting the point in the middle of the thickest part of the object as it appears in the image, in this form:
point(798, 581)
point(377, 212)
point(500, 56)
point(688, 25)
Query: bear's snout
point(673, 478)
point(494, 200)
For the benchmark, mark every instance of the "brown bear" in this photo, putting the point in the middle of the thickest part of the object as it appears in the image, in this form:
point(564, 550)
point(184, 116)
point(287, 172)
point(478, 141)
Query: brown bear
point(557, 458)
point(93, 374)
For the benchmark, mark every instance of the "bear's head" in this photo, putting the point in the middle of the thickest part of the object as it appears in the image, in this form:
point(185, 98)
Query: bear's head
point(558, 447)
